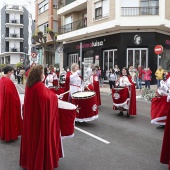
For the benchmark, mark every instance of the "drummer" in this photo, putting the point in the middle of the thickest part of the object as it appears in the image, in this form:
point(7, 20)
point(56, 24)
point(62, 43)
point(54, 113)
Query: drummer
point(73, 83)
point(125, 81)
point(94, 80)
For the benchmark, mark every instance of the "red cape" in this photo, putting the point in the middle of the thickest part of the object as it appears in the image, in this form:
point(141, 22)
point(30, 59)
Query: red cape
point(40, 142)
point(67, 86)
point(97, 89)
point(132, 108)
point(165, 154)
point(10, 111)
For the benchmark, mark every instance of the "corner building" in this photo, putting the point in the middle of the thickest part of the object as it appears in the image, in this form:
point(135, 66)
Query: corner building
point(115, 32)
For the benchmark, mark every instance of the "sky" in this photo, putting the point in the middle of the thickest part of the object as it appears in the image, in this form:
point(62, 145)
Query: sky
point(28, 3)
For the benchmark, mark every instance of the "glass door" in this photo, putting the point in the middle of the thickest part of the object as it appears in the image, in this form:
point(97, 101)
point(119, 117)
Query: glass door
point(109, 59)
point(73, 58)
point(137, 56)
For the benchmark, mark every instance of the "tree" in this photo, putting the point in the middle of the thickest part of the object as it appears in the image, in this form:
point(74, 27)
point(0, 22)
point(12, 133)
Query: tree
point(42, 40)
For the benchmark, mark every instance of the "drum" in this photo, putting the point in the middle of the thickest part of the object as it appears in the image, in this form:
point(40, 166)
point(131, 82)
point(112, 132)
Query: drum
point(120, 96)
point(160, 108)
point(67, 115)
point(86, 103)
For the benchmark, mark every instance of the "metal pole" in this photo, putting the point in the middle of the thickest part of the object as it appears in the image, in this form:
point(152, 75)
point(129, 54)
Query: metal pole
point(157, 60)
point(81, 58)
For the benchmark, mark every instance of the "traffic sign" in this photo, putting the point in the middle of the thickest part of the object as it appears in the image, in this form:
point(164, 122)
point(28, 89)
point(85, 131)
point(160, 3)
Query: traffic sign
point(158, 49)
point(33, 55)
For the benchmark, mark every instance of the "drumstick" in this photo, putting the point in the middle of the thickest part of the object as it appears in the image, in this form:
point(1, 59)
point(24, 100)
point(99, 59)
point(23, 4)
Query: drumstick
point(63, 93)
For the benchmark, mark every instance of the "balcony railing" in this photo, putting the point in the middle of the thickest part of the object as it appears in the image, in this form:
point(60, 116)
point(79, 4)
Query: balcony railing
point(73, 26)
point(129, 11)
point(14, 21)
point(13, 49)
point(14, 35)
point(63, 3)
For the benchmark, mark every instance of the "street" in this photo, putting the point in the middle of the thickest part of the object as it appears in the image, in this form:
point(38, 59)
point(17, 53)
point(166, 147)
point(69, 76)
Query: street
point(108, 143)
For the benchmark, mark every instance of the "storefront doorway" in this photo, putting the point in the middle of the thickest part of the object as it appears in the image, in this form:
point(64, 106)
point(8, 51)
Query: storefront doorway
point(109, 59)
point(73, 58)
point(137, 56)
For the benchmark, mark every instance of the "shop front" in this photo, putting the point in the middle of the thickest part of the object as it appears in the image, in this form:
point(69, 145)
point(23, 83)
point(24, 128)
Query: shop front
point(123, 49)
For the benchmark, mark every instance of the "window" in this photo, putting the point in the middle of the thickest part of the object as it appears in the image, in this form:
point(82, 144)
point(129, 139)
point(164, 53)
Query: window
point(101, 9)
point(43, 27)
point(7, 60)
point(149, 7)
point(43, 6)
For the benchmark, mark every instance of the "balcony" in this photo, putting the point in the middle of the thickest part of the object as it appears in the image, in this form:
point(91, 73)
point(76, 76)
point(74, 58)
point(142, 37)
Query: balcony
point(14, 8)
point(13, 49)
point(70, 6)
point(14, 22)
point(139, 11)
point(73, 26)
point(13, 36)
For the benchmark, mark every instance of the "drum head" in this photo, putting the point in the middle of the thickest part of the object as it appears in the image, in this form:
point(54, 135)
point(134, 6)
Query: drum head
point(83, 94)
point(65, 105)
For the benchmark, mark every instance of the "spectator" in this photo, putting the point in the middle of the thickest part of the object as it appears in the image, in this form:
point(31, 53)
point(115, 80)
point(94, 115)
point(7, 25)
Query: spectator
point(18, 75)
point(159, 75)
point(132, 72)
point(139, 77)
point(147, 77)
point(117, 71)
point(112, 78)
point(89, 71)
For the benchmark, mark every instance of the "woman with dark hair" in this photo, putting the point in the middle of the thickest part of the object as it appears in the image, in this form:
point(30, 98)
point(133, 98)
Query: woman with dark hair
point(40, 142)
point(125, 98)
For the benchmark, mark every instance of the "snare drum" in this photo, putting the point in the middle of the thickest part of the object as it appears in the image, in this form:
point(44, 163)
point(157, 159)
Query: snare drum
point(67, 114)
point(120, 96)
point(86, 103)
point(57, 91)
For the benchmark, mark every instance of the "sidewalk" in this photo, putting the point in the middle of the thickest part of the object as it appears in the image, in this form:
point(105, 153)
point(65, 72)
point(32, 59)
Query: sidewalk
point(106, 89)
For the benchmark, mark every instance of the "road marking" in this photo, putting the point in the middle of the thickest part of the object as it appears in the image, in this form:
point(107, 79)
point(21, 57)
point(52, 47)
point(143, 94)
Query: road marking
point(94, 136)
point(20, 87)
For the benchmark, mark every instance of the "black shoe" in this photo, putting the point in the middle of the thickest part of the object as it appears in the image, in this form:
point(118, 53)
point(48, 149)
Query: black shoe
point(160, 127)
point(127, 115)
point(120, 114)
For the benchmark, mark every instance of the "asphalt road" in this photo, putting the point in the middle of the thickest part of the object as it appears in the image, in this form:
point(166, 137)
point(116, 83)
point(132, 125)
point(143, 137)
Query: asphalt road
point(133, 143)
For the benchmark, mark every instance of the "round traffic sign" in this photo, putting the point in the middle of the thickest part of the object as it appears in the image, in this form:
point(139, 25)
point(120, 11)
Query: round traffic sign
point(158, 49)
point(33, 55)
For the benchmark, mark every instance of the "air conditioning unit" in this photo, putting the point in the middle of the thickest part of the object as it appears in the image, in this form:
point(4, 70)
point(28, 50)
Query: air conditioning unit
point(55, 6)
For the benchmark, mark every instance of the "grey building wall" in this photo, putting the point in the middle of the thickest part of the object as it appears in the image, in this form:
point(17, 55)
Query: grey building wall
point(25, 30)
point(3, 29)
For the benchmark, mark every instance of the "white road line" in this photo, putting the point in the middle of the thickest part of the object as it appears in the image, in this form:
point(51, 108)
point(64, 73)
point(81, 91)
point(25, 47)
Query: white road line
point(94, 136)
point(20, 87)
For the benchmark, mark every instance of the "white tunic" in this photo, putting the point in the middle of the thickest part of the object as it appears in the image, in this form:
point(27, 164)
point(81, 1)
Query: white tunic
point(75, 83)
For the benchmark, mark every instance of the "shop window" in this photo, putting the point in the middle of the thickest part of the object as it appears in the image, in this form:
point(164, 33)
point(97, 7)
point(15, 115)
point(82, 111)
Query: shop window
point(165, 59)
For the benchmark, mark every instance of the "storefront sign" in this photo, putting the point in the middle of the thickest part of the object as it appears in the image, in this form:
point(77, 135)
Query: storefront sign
point(137, 39)
point(91, 45)
point(167, 42)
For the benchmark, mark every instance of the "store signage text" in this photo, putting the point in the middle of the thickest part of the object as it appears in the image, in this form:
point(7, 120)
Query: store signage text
point(91, 45)
point(167, 42)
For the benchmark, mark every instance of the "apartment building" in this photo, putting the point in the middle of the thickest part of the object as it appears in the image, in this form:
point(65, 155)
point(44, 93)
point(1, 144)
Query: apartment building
point(46, 17)
point(115, 32)
point(16, 31)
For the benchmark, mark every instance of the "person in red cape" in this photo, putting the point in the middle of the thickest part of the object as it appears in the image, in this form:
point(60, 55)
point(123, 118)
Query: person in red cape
point(41, 142)
point(94, 80)
point(165, 153)
point(73, 82)
point(10, 108)
point(27, 72)
point(129, 101)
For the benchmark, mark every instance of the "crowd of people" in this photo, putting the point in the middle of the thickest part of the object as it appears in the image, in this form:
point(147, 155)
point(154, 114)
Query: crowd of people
point(40, 118)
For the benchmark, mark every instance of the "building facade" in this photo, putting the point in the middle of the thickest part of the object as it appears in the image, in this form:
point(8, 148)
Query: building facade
point(115, 32)
point(16, 32)
point(46, 18)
